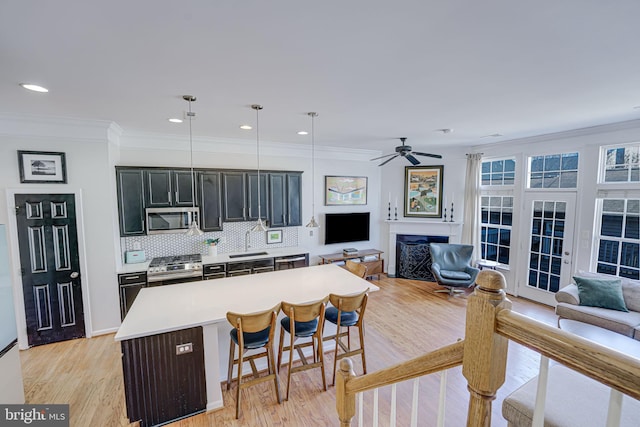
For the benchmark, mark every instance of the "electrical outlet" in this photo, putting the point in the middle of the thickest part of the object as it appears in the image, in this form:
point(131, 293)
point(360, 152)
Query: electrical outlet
point(184, 348)
point(311, 233)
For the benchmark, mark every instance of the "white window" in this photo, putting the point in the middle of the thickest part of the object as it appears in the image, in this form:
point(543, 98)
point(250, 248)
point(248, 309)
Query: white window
point(553, 171)
point(498, 172)
point(618, 237)
point(496, 220)
point(621, 164)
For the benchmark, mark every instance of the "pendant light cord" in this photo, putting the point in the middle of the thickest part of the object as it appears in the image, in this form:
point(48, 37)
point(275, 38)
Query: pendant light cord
point(193, 186)
point(258, 107)
point(313, 165)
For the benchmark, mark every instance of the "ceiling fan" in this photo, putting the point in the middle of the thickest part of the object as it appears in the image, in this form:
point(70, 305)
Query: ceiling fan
point(405, 151)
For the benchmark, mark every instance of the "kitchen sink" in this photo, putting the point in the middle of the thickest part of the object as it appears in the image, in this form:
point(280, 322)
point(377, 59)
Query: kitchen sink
point(247, 254)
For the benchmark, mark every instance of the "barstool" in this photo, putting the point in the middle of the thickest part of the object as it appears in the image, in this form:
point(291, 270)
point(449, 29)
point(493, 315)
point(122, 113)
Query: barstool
point(251, 332)
point(303, 321)
point(348, 311)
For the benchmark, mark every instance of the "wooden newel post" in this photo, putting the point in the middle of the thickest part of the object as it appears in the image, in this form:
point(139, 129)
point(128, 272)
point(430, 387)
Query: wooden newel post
point(485, 352)
point(345, 403)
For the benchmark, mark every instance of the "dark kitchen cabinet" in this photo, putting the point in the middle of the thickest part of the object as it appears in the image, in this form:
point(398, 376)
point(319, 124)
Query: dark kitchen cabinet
point(210, 198)
point(129, 285)
point(285, 192)
point(240, 196)
point(168, 188)
point(234, 190)
point(214, 271)
point(242, 268)
point(252, 196)
point(291, 261)
point(131, 201)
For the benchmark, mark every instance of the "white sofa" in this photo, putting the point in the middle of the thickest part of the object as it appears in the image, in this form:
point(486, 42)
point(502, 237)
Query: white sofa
point(625, 323)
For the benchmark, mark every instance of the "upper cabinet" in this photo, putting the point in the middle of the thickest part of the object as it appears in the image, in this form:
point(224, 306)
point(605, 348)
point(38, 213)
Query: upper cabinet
point(240, 194)
point(168, 188)
point(285, 192)
point(210, 197)
point(130, 201)
point(222, 196)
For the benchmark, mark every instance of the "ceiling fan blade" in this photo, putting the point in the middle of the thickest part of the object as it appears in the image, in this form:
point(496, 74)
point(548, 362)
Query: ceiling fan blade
point(437, 156)
point(412, 159)
point(382, 157)
point(388, 160)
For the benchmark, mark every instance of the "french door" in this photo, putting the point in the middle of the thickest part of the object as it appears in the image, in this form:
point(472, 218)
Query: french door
point(49, 259)
point(548, 254)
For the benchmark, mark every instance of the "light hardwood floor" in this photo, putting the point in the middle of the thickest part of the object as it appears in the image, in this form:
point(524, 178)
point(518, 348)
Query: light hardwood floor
point(403, 320)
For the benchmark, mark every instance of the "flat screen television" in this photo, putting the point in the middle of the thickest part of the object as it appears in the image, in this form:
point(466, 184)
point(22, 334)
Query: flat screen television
point(346, 227)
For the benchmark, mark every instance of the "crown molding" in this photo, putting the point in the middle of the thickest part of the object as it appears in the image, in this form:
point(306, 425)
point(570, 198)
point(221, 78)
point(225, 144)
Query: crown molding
point(58, 128)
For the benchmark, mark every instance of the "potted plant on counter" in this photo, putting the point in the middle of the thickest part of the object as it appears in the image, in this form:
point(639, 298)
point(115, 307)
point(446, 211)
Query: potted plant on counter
point(213, 246)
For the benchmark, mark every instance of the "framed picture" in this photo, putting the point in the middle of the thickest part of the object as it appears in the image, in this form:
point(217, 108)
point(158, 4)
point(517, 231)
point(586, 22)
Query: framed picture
point(42, 167)
point(423, 191)
point(274, 236)
point(345, 190)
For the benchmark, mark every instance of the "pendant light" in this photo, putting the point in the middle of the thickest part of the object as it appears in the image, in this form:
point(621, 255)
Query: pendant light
point(313, 223)
point(193, 230)
point(259, 225)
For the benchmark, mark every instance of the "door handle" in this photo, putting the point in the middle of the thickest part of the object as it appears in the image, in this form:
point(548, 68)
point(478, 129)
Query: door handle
point(75, 275)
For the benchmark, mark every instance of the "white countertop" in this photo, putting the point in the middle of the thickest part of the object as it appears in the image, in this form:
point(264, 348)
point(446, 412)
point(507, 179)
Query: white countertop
point(222, 258)
point(173, 307)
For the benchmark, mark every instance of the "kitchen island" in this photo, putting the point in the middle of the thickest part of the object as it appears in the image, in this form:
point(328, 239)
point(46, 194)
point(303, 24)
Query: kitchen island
point(162, 318)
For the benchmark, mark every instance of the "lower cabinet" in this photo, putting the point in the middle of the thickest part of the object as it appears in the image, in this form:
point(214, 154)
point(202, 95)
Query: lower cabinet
point(242, 268)
point(163, 381)
point(291, 261)
point(129, 286)
point(214, 271)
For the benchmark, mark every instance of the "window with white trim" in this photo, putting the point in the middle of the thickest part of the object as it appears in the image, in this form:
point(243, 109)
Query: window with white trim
point(496, 222)
point(622, 164)
point(498, 172)
point(553, 171)
point(618, 237)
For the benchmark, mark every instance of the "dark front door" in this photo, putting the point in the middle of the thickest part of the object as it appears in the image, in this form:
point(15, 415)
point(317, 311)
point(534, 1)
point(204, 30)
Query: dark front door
point(50, 265)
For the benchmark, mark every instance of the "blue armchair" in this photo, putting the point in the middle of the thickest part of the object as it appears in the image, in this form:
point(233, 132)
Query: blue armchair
point(451, 266)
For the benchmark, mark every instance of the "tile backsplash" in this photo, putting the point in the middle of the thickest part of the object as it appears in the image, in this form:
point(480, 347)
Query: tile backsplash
point(233, 238)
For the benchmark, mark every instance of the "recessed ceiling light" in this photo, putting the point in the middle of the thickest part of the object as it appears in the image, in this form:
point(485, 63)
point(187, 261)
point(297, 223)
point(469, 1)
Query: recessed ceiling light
point(34, 88)
point(175, 120)
point(493, 135)
point(444, 130)
point(303, 132)
point(245, 127)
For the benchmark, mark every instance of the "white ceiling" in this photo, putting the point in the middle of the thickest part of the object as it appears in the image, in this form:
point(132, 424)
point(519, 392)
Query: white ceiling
point(374, 70)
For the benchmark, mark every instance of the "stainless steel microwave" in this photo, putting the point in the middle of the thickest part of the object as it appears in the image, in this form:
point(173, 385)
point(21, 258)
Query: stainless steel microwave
point(169, 220)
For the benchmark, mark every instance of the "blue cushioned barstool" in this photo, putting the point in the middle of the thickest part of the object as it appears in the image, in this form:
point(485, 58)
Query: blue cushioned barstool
point(252, 331)
point(451, 266)
point(302, 321)
point(347, 311)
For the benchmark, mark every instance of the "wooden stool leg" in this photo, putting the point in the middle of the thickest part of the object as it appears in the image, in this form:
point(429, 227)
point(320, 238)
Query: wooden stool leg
point(280, 348)
point(232, 351)
point(240, 363)
point(321, 359)
point(364, 360)
point(291, 341)
point(270, 360)
point(335, 355)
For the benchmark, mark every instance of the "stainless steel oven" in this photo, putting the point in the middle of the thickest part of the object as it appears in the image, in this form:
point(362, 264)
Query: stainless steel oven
point(174, 269)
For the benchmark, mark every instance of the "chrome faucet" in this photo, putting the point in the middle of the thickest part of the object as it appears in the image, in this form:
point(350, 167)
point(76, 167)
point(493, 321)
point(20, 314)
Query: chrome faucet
point(246, 240)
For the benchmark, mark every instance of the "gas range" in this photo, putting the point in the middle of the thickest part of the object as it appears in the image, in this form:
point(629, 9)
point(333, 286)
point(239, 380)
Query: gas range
point(170, 268)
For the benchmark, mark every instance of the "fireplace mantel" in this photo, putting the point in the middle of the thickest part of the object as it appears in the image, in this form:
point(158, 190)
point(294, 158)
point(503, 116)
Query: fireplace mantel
point(453, 230)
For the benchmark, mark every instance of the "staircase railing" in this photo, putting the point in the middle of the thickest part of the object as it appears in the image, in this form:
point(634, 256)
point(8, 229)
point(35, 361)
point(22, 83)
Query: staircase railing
point(490, 324)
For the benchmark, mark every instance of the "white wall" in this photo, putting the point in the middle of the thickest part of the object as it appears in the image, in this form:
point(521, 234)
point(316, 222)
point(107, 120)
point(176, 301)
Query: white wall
point(89, 175)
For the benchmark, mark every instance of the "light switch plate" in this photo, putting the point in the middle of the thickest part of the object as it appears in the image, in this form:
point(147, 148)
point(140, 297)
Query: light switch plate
point(184, 348)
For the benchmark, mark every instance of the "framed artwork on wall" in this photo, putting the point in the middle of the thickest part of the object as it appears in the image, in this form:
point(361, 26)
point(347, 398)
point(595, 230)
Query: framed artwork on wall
point(274, 236)
point(42, 167)
point(345, 190)
point(423, 191)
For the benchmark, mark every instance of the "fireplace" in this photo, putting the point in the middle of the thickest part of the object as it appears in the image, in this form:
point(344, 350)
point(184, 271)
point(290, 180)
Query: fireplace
point(413, 258)
point(449, 231)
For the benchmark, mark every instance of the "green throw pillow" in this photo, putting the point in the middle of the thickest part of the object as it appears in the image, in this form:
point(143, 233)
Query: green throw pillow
point(605, 293)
